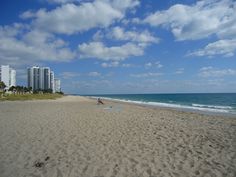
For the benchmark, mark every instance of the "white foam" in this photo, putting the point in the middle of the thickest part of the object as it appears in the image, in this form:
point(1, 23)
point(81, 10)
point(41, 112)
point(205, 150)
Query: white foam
point(212, 106)
point(188, 107)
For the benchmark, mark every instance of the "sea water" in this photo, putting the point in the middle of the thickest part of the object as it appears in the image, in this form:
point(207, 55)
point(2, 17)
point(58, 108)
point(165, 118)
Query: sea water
point(209, 102)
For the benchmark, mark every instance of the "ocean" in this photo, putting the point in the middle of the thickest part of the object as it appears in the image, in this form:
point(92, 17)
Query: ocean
point(207, 102)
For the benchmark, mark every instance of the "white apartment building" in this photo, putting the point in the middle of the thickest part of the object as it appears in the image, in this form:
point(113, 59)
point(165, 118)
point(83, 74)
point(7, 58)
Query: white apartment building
point(8, 76)
point(57, 85)
point(40, 78)
point(13, 77)
point(52, 84)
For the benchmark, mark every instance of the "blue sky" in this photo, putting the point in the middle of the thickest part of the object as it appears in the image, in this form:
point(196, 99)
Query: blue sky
point(123, 46)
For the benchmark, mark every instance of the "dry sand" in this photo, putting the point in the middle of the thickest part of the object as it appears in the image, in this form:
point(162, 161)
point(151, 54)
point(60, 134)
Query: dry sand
point(74, 137)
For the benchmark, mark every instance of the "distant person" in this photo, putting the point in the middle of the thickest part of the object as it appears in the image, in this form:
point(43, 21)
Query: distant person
point(99, 101)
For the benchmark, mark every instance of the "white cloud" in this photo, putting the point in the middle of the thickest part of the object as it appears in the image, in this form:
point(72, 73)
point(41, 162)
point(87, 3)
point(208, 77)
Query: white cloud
point(119, 33)
point(11, 31)
point(142, 75)
point(69, 75)
point(98, 36)
point(22, 45)
point(124, 4)
point(127, 65)
point(94, 74)
point(38, 43)
point(39, 38)
point(136, 21)
point(221, 47)
point(115, 53)
point(198, 21)
point(71, 18)
point(91, 87)
point(152, 85)
point(18, 49)
point(125, 21)
point(155, 64)
point(116, 3)
point(30, 14)
point(180, 71)
point(114, 64)
point(27, 14)
point(111, 64)
point(201, 20)
point(214, 72)
point(62, 1)
point(147, 65)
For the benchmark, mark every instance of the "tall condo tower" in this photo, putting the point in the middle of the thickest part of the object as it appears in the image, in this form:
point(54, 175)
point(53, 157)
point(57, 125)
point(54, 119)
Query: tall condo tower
point(8, 76)
point(57, 86)
point(40, 78)
point(52, 84)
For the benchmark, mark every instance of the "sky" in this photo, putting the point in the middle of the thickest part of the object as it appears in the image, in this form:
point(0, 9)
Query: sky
point(123, 46)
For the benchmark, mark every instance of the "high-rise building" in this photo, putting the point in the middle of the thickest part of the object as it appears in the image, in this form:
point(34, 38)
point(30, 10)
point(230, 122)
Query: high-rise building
point(8, 76)
point(33, 77)
point(52, 84)
point(57, 84)
point(40, 78)
point(13, 77)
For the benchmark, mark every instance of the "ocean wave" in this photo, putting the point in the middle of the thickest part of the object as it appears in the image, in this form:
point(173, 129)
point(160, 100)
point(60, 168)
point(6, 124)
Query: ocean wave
point(189, 107)
point(212, 106)
point(198, 107)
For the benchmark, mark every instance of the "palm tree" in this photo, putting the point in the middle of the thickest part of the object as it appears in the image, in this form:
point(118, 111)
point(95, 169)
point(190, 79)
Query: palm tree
point(18, 89)
point(25, 89)
point(12, 89)
point(2, 87)
point(30, 89)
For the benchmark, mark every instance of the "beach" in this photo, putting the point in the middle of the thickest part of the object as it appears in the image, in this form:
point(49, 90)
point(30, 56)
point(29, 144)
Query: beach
point(74, 137)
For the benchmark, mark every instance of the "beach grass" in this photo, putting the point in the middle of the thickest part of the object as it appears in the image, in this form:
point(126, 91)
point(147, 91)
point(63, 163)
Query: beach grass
point(22, 97)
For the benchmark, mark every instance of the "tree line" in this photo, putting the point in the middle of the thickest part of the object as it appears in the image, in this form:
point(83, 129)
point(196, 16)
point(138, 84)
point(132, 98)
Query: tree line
point(21, 89)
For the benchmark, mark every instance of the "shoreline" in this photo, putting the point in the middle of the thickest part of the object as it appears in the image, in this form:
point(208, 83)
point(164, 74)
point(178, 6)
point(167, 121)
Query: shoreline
point(181, 109)
point(110, 100)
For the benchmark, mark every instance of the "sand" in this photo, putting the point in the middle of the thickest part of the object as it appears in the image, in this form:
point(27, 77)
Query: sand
point(74, 137)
